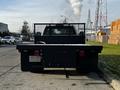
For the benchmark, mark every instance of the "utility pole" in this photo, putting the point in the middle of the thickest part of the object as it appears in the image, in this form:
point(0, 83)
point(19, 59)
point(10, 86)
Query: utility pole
point(88, 26)
point(106, 13)
point(101, 17)
point(97, 15)
point(89, 23)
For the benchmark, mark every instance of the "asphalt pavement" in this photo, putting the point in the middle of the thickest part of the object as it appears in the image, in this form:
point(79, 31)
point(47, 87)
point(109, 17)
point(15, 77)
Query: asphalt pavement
point(12, 78)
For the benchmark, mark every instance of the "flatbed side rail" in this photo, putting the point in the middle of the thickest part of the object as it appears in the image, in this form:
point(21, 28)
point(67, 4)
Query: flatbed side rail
point(93, 48)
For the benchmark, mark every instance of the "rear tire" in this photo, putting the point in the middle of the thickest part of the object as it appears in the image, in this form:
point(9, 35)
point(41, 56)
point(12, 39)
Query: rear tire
point(36, 69)
point(83, 70)
point(10, 43)
point(89, 68)
point(24, 61)
point(24, 68)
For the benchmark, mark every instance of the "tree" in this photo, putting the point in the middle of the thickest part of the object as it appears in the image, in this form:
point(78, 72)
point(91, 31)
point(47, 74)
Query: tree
point(2, 34)
point(25, 31)
point(25, 28)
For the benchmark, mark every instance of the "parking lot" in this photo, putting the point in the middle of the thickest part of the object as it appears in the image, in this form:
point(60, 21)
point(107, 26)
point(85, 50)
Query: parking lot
point(11, 77)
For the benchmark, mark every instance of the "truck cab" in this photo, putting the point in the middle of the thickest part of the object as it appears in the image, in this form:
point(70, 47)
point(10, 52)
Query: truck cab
point(61, 34)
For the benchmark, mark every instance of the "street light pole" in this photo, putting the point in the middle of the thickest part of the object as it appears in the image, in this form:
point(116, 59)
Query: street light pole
point(91, 26)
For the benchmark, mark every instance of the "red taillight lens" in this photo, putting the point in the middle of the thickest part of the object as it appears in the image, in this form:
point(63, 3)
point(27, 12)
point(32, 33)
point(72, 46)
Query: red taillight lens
point(82, 53)
point(36, 53)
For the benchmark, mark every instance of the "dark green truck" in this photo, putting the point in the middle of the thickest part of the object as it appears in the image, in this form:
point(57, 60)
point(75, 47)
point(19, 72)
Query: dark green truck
point(61, 45)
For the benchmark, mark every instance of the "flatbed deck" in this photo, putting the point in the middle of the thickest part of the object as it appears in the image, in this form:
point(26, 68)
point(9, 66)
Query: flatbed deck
point(97, 48)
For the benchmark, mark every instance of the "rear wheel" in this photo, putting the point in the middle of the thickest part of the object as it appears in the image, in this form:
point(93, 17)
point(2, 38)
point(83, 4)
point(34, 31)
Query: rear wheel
point(10, 42)
point(89, 63)
point(87, 68)
point(24, 61)
point(83, 70)
point(24, 68)
point(36, 69)
point(13, 42)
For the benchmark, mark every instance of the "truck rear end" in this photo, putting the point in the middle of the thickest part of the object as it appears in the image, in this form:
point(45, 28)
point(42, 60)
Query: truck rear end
point(59, 46)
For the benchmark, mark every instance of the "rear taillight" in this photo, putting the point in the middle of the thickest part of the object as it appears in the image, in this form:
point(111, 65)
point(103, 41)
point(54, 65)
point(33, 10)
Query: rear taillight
point(35, 56)
point(82, 54)
point(37, 53)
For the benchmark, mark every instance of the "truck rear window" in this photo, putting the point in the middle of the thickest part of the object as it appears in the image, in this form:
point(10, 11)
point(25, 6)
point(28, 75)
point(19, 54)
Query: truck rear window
point(58, 31)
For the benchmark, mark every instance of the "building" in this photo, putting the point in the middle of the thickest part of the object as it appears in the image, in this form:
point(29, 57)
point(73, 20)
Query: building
point(3, 27)
point(103, 34)
point(114, 37)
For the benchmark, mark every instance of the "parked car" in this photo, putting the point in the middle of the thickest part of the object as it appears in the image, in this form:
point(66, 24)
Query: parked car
point(8, 40)
point(0, 40)
point(18, 40)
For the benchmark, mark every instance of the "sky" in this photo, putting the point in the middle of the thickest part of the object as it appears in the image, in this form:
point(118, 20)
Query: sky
point(15, 12)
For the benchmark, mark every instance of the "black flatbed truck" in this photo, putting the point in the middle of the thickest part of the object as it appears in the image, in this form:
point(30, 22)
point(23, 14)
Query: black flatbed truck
point(62, 45)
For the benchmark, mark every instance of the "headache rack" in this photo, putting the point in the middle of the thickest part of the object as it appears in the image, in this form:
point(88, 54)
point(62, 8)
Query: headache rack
point(78, 26)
